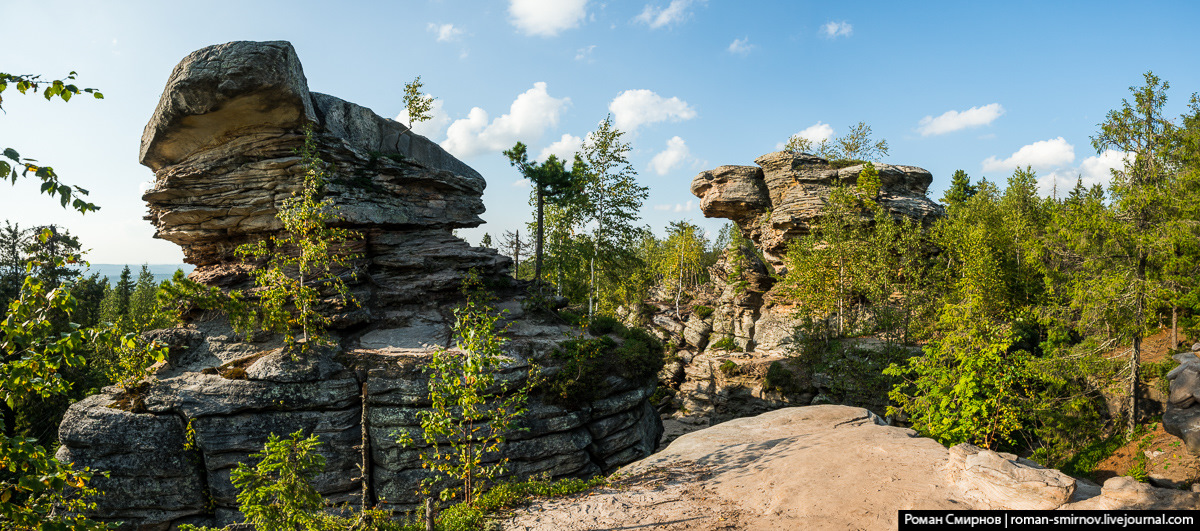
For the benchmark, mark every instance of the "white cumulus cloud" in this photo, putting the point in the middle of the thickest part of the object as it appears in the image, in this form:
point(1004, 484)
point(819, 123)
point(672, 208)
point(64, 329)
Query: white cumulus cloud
point(1096, 169)
point(657, 17)
point(431, 128)
point(815, 133)
point(834, 30)
point(445, 32)
point(585, 53)
point(564, 148)
point(634, 108)
point(546, 18)
point(952, 120)
point(528, 117)
point(741, 46)
point(677, 207)
point(1041, 155)
point(670, 158)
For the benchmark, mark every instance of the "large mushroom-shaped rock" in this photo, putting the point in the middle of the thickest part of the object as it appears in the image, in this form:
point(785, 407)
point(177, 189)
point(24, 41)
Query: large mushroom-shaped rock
point(783, 197)
point(223, 144)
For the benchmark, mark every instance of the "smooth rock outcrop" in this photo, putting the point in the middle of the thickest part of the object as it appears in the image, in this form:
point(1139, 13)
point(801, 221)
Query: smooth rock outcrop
point(825, 467)
point(222, 144)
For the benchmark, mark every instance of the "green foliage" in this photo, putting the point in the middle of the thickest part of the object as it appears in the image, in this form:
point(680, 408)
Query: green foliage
point(551, 182)
point(779, 378)
point(51, 185)
point(466, 517)
point(729, 368)
point(277, 493)
point(856, 145)
point(472, 411)
point(703, 311)
point(303, 261)
point(126, 358)
point(603, 324)
point(417, 105)
point(965, 388)
point(610, 197)
point(725, 343)
point(586, 362)
point(960, 189)
point(1084, 461)
point(32, 482)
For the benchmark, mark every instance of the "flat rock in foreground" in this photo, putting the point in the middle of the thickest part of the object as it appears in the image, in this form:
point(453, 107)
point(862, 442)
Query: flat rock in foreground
point(825, 467)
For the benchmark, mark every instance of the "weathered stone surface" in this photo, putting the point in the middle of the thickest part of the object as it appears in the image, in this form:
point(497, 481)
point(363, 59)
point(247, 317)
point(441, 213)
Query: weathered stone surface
point(220, 90)
point(222, 144)
point(731, 191)
point(775, 329)
point(199, 395)
point(793, 190)
point(1182, 416)
point(151, 474)
point(824, 467)
point(1005, 481)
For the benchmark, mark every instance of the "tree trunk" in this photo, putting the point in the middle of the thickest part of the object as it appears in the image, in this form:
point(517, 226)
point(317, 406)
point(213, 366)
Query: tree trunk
point(1136, 358)
point(537, 251)
point(1174, 326)
point(429, 514)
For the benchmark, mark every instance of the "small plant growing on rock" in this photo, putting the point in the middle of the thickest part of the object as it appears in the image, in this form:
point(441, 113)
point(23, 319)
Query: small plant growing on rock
point(702, 311)
point(729, 368)
point(277, 493)
point(725, 343)
point(472, 411)
point(309, 247)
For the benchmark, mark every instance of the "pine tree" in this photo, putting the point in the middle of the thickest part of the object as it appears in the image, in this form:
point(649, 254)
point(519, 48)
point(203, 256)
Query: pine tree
point(960, 189)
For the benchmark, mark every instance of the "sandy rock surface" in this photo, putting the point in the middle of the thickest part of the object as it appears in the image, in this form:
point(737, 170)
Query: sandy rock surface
point(824, 467)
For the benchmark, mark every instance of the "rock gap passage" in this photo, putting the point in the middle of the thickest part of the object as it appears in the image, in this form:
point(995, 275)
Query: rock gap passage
point(223, 145)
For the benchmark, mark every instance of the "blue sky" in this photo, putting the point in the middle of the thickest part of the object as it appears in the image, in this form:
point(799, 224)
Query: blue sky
point(976, 86)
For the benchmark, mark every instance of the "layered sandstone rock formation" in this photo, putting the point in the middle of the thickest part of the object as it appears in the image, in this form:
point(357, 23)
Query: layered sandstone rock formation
point(782, 197)
point(1182, 417)
point(222, 144)
point(826, 467)
point(773, 203)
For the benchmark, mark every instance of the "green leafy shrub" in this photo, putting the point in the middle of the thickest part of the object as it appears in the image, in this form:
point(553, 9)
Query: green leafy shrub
point(725, 343)
point(702, 311)
point(603, 324)
point(587, 361)
point(641, 355)
point(465, 419)
point(729, 368)
point(780, 379)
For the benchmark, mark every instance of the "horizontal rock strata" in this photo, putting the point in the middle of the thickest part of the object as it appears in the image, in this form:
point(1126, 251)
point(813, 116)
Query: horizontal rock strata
point(782, 197)
point(223, 145)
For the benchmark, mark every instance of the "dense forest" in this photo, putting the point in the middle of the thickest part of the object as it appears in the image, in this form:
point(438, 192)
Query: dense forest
point(1027, 309)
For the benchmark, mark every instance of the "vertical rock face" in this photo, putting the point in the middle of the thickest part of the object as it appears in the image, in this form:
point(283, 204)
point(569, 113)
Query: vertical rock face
point(223, 145)
point(1182, 418)
point(782, 197)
